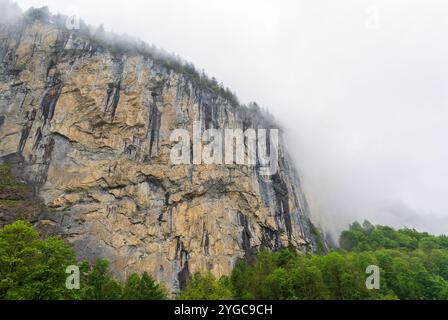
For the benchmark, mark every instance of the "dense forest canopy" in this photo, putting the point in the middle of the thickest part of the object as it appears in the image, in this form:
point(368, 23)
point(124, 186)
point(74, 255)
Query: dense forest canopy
point(414, 265)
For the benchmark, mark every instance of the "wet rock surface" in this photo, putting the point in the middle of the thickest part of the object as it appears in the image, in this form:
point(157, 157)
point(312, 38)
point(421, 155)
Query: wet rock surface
point(91, 131)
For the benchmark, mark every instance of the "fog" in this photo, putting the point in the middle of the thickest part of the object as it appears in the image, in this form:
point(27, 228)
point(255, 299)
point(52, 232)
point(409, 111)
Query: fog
point(360, 86)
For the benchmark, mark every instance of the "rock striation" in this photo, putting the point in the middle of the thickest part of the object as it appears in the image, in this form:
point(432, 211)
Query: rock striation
point(89, 129)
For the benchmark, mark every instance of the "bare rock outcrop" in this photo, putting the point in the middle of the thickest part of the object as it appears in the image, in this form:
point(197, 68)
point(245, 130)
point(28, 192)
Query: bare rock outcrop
point(91, 127)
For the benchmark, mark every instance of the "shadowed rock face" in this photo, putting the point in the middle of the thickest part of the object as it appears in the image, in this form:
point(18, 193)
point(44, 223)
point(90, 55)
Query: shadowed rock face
point(92, 130)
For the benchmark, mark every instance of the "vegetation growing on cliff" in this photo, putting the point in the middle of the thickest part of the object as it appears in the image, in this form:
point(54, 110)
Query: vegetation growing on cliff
point(17, 200)
point(320, 243)
point(124, 44)
point(413, 265)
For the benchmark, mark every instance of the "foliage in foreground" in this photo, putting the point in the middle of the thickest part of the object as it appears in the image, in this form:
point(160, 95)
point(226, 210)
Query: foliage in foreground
point(413, 265)
point(34, 269)
point(207, 287)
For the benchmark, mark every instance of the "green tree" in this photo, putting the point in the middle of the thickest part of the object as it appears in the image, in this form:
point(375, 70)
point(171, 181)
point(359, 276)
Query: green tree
point(143, 288)
point(207, 287)
point(98, 283)
point(32, 268)
point(307, 280)
point(240, 278)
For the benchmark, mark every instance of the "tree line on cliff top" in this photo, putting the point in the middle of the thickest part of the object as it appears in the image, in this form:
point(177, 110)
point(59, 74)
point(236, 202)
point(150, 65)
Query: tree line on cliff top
point(124, 44)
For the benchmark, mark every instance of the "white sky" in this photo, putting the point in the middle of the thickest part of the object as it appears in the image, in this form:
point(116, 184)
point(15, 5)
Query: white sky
point(360, 85)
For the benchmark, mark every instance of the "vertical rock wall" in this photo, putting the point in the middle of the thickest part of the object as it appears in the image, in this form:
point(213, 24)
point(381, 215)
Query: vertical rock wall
point(90, 131)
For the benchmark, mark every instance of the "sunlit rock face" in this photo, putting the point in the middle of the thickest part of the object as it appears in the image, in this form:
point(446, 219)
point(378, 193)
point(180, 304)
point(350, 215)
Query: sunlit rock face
point(90, 131)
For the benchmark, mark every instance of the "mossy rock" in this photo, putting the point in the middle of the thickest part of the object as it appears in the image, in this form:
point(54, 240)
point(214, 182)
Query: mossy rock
point(17, 201)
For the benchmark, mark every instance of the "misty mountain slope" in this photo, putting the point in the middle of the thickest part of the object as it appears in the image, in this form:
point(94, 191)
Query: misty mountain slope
point(88, 126)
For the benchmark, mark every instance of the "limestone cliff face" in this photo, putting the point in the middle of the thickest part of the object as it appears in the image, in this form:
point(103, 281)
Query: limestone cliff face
point(90, 130)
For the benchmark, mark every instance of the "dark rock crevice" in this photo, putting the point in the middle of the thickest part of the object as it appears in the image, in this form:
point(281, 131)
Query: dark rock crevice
point(155, 116)
point(205, 241)
point(154, 121)
point(30, 117)
point(281, 193)
point(181, 258)
point(246, 235)
point(113, 97)
point(114, 89)
point(270, 239)
point(49, 101)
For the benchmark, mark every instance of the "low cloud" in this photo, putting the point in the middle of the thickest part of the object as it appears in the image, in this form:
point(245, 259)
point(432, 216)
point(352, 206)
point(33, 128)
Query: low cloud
point(361, 87)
